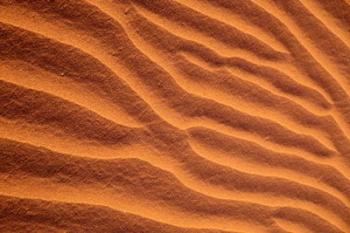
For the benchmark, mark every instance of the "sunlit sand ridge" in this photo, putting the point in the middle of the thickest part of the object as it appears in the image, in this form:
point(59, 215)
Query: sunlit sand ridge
point(175, 116)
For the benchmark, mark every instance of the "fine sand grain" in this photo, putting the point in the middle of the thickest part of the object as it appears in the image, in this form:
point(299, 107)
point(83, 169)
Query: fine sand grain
point(149, 116)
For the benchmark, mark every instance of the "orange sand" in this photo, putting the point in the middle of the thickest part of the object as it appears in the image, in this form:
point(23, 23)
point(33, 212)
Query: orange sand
point(175, 116)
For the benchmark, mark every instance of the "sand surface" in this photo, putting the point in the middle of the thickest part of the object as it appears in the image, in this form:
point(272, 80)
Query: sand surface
point(175, 116)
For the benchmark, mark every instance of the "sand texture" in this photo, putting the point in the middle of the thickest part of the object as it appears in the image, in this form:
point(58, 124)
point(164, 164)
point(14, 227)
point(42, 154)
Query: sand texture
point(175, 116)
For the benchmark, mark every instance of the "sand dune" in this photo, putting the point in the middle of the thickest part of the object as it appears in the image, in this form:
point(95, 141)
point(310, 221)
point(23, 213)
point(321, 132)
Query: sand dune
point(175, 116)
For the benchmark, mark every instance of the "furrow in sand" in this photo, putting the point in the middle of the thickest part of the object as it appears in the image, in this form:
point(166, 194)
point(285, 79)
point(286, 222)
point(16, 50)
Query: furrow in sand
point(78, 68)
point(113, 153)
point(320, 66)
point(254, 14)
point(194, 20)
point(285, 65)
point(178, 93)
point(128, 179)
point(50, 169)
point(245, 96)
point(332, 53)
point(185, 178)
point(172, 89)
point(68, 74)
point(266, 77)
point(41, 136)
point(326, 18)
point(160, 42)
point(140, 23)
point(234, 21)
point(234, 91)
point(335, 66)
point(186, 34)
point(156, 212)
point(233, 180)
point(57, 11)
point(38, 118)
point(303, 182)
point(102, 82)
point(55, 216)
point(33, 77)
point(19, 103)
point(171, 165)
point(290, 226)
point(280, 22)
point(154, 32)
point(256, 160)
point(303, 60)
point(164, 162)
point(313, 226)
point(224, 130)
point(191, 166)
point(339, 9)
point(253, 152)
point(174, 116)
point(202, 90)
point(125, 182)
point(302, 115)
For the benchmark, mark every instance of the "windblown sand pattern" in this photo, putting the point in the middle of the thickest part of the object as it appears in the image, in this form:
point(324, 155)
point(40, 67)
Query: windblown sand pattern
point(175, 116)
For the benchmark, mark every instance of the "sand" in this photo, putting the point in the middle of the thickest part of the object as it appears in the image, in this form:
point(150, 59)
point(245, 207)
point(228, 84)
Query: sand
point(175, 116)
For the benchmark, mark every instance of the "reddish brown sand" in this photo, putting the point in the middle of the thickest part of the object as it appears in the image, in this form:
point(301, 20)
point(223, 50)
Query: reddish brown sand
point(149, 116)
